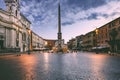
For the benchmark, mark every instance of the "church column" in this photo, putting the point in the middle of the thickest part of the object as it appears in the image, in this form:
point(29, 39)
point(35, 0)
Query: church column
point(13, 38)
point(20, 42)
point(7, 38)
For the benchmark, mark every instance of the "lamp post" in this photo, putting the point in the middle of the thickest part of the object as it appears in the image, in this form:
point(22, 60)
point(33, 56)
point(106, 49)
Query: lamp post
point(46, 43)
point(29, 32)
point(96, 32)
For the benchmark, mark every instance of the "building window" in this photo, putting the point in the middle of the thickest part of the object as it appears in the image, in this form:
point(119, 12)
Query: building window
point(24, 37)
point(113, 23)
point(110, 25)
point(10, 8)
point(16, 12)
point(17, 38)
point(106, 30)
point(119, 28)
point(1, 37)
point(106, 35)
point(1, 42)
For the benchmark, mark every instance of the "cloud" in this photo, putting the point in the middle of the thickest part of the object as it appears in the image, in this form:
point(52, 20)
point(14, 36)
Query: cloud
point(109, 10)
point(77, 16)
point(42, 11)
point(88, 20)
point(67, 23)
point(92, 16)
point(2, 4)
point(86, 4)
point(31, 18)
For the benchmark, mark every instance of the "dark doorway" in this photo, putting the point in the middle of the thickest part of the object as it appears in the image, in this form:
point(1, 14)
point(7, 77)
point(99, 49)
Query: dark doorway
point(1, 44)
point(24, 47)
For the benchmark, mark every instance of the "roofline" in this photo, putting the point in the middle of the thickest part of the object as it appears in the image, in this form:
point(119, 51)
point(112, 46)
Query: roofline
point(50, 39)
point(5, 12)
point(37, 34)
point(25, 17)
point(109, 22)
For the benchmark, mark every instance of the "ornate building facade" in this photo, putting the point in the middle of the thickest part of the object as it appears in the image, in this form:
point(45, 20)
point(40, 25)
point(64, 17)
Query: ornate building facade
point(14, 28)
point(38, 43)
point(107, 38)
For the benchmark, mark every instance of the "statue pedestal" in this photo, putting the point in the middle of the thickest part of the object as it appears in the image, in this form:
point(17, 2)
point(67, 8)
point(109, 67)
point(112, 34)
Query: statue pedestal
point(60, 50)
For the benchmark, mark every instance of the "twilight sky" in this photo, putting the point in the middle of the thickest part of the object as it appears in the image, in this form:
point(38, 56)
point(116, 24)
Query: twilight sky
point(77, 16)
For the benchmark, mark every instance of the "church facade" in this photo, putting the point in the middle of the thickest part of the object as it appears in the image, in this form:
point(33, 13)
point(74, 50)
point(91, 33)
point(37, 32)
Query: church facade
point(14, 28)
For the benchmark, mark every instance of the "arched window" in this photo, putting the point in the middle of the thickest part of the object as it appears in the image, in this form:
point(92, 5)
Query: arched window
point(16, 12)
point(17, 38)
point(10, 8)
point(24, 37)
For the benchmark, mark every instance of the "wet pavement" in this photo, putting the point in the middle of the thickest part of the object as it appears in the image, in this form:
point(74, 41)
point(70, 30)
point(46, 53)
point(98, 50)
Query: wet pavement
point(50, 66)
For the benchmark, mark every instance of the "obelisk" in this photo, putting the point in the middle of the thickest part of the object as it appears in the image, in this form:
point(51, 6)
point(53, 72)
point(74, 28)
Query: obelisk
point(59, 29)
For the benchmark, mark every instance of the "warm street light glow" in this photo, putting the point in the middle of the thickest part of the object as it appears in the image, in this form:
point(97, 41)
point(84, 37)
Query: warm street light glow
point(46, 43)
point(17, 28)
point(29, 31)
point(29, 42)
point(96, 30)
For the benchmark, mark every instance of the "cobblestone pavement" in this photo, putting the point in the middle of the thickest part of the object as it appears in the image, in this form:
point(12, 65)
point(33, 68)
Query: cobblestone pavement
point(50, 66)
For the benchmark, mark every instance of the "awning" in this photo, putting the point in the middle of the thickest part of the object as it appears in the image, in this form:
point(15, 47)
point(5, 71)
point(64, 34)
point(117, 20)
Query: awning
point(100, 47)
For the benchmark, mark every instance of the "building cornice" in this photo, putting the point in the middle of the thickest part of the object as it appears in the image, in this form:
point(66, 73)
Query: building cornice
point(37, 35)
point(109, 22)
point(4, 12)
point(24, 17)
point(9, 23)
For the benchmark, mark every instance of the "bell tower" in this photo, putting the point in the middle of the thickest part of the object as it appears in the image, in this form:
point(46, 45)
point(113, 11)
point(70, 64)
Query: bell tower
point(13, 7)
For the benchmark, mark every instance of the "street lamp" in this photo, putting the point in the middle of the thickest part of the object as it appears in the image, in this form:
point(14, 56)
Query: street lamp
point(17, 48)
point(46, 43)
point(96, 32)
point(29, 32)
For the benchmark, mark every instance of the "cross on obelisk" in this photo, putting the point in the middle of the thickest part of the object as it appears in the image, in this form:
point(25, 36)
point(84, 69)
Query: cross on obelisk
point(59, 29)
